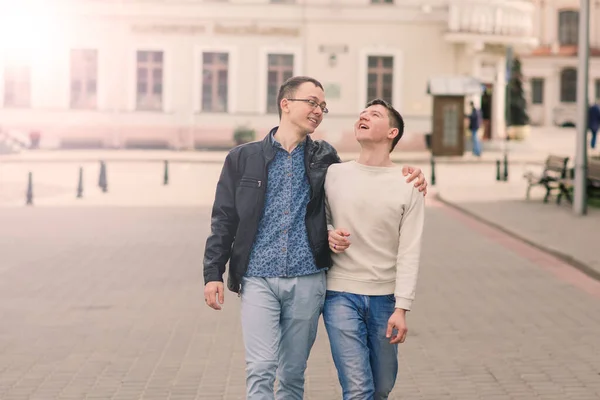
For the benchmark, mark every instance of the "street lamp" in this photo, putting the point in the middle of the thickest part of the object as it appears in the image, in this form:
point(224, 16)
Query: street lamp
point(579, 195)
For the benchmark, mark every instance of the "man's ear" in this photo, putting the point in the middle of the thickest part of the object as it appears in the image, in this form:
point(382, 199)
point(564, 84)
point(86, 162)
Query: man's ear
point(392, 133)
point(284, 104)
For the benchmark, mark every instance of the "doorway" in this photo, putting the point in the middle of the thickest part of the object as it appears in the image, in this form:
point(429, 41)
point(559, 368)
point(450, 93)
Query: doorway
point(486, 110)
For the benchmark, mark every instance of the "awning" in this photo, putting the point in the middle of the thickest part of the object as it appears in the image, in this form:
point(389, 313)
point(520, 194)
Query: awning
point(456, 85)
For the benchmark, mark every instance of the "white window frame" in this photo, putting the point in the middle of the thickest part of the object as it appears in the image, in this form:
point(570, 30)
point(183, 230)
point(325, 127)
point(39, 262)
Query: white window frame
point(397, 85)
point(263, 65)
point(167, 79)
point(100, 89)
point(232, 76)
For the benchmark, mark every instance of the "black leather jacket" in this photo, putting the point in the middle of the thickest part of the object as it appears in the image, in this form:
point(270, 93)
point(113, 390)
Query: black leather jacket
point(239, 202)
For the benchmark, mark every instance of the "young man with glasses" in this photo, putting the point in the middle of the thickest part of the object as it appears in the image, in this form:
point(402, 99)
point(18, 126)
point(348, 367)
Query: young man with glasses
point(268, 221)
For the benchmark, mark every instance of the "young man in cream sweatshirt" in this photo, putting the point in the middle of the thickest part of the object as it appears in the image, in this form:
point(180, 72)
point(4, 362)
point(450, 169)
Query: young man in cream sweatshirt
point(375, 222)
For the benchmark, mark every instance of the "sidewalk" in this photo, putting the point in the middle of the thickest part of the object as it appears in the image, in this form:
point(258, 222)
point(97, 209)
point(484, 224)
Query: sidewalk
point(550, 227)
point(217, 157)
point(541, 142)
point(106, 303)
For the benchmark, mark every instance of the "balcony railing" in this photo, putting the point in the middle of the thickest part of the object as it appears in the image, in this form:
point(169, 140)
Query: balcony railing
point(491, 17)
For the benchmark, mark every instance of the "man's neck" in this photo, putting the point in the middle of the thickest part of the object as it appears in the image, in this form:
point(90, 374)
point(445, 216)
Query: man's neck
point(289, 136)
point(377, 156)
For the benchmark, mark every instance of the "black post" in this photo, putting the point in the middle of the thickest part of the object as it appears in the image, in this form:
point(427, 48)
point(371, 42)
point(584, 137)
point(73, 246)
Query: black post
point(80, 184)
point(432, 171)
point(166, 179)
point(505, 167)
point(102, 178)
point(497, 170)
point(30, 190)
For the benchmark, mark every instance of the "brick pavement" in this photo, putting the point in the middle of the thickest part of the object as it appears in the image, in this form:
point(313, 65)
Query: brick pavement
point(106, 303)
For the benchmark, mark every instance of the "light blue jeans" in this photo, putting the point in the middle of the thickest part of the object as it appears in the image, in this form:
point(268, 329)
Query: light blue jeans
point(476, 142)
point(280, 317)
point(366, 362)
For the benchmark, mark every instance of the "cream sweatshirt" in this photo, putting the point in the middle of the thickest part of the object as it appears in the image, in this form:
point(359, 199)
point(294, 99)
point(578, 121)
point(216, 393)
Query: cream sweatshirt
point(384, 216)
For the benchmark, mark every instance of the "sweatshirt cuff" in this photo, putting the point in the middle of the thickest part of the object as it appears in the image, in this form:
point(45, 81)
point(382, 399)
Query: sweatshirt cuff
point(330, 227)
point(403, 303)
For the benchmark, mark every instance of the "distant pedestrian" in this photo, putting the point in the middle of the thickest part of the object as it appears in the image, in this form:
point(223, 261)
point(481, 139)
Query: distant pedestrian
point(594, 122)
point(474, 124)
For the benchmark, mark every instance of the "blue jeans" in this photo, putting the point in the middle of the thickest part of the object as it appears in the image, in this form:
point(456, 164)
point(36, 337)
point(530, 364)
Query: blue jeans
point(476, 143)
point(593, 141)
point(280, 317)
point(366, 362)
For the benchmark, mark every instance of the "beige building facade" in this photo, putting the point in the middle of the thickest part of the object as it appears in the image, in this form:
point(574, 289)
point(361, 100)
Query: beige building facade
point(550, 69)
point(185, 74)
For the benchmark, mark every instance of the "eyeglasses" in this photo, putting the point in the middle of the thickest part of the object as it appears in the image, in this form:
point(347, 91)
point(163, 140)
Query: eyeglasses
point(313, 104)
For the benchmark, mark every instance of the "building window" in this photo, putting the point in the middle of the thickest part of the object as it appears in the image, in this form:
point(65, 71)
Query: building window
point(382, 1)
point(537, 91)
point(597, 87)
point(280, 68)
point(568, 85)
point(380, 75)
point(17, 86)
point(149, 80)
point(215, 67)
point(568, 28)
point(84, 65)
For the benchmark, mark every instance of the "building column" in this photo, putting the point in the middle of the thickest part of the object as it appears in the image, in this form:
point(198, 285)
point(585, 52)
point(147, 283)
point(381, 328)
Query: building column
point(498, 100)
point(551, 86)
point(476, 73)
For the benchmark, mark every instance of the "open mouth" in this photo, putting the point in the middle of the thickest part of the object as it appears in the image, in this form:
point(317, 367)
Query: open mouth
point(313, 120)
point(363, 126)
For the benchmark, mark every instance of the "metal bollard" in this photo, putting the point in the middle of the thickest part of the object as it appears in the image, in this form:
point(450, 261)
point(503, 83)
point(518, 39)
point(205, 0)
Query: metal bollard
point(29, 200)
point(166, 177)
point(498, 170)
point(80, 184)
point(102, 183)
point(432, 171)
point(505, 167)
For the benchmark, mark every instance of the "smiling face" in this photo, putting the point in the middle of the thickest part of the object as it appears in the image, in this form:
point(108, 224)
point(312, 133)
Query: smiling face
point(373, 126)
point(299, 111)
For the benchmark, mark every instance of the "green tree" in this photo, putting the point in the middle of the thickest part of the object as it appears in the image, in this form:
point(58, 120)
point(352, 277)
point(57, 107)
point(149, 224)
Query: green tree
point(517, 105)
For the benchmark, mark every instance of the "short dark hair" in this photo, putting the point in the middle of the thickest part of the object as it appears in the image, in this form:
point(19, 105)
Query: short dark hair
point(289, 87)
point(394, 117)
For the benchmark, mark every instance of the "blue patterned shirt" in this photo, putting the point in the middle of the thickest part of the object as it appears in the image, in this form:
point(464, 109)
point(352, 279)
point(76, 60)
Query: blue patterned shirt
point(281, 247)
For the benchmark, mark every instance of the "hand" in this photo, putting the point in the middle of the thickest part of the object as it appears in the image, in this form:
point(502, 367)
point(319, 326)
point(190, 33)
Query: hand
point(416, 173)
point(397, 321)
point(337, 240)
point(211, 290)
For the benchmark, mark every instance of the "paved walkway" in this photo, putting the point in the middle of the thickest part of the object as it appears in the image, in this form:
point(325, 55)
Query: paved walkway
point(551, 227)
point(106, 303)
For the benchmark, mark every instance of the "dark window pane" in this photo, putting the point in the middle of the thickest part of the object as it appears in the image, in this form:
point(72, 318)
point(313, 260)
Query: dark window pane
point(388, 62)
point(157, 75)
point(142, 88)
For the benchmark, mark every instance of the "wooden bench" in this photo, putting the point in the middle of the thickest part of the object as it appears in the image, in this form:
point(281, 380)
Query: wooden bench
point(555, 169)
point(592, 183)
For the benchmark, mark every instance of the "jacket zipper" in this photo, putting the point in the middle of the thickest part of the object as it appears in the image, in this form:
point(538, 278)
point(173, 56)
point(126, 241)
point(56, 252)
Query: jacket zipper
point(256, 224)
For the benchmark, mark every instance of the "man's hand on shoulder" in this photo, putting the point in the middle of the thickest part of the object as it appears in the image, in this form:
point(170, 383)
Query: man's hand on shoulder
point(416, 173)
point(214, 291)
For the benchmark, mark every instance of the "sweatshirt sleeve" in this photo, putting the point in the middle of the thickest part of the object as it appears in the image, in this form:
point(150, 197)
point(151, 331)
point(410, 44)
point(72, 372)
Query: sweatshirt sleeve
point(330, 226)
point(409, 249)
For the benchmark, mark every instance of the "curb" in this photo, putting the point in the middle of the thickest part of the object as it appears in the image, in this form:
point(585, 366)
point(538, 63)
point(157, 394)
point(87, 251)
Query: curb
point(200, 160)
point(568, 259)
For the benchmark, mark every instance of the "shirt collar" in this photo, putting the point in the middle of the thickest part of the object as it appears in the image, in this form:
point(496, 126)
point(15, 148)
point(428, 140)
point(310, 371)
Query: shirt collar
point(278, 145)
